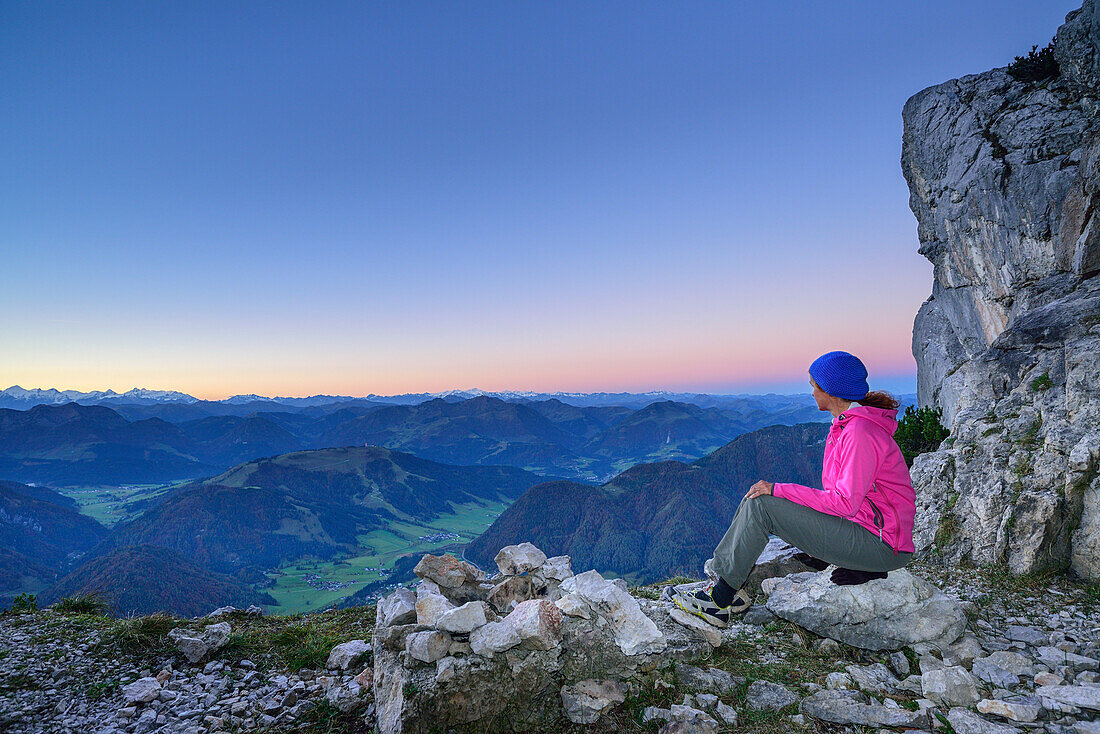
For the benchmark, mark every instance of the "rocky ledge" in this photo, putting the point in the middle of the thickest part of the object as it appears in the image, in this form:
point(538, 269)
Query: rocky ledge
point(536, 648)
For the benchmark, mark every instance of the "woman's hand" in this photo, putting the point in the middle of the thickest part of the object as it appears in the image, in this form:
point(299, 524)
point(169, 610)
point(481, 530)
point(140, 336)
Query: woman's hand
point(759, 488)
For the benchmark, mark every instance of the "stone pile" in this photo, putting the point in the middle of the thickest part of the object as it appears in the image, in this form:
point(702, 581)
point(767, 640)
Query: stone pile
point(530, 648)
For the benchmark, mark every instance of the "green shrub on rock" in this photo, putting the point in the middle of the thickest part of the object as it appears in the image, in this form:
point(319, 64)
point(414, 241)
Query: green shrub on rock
point(1036, 66)
point(919, 431)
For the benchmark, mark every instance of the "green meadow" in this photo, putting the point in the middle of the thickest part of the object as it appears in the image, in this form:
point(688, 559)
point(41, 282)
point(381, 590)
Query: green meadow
point(296, 583)
point(111, 505)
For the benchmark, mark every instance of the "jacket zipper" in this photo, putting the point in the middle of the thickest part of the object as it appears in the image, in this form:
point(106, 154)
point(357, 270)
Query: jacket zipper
point(879, 521)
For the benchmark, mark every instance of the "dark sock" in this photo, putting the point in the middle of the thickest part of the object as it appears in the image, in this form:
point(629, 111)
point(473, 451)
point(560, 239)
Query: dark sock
point(722, 593)
point(850, 577)
point(807, 560)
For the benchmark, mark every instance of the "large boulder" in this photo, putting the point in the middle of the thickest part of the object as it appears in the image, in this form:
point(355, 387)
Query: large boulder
point(776, 560)
point(883, 614)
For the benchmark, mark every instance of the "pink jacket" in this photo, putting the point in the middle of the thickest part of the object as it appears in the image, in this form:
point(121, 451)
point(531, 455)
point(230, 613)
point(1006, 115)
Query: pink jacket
point(864, 476)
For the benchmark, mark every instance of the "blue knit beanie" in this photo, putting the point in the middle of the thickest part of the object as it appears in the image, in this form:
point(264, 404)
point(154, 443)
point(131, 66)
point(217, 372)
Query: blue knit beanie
point(840, 374)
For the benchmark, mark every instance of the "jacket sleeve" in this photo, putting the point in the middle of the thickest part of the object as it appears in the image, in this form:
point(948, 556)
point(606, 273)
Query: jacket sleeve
point(844, 492)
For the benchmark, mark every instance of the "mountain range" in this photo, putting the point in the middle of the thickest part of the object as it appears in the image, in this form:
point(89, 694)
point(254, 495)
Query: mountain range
point(317, 503)
point(225, 535)
point(96, 445)
point(20, 398)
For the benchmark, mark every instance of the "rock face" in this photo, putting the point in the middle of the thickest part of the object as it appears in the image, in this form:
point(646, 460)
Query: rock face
point(883, 614)
point(1004, 179)
point(569, 653)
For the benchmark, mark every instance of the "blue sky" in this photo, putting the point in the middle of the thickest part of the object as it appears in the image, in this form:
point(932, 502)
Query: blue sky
point(300, 198)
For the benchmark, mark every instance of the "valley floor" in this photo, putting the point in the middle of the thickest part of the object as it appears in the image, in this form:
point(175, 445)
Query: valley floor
point(64, 672)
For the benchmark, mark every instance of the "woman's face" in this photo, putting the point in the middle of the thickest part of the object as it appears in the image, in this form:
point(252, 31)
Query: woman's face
point(819, 395)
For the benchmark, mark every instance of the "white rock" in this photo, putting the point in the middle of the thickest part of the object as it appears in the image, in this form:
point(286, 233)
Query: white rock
point(397, 608)
point(967, 722)
point(493, 637)
point(883, 614)
point(912, 684)
point(711, 633)
point(634, 632)
point(574, 606)
point(1054, 657)
point(142, 690)
point(538, 623)
point(726, 713)
point(994, 675)
point(847, 708)
point(557, 568)
point(430, 603)
point(1016, 711)
point(197, 645)
point(347, 654)
point(463, 619)
point(1087, 727)
point(513, 560)
point(678, 712)
point(873, 678)
point(765, 695)
point(447, 571)
point(221, 611)
point(427, 646)
point(950, 686)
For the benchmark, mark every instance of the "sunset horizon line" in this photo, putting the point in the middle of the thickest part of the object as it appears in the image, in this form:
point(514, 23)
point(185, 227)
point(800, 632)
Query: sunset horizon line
point(780, 387)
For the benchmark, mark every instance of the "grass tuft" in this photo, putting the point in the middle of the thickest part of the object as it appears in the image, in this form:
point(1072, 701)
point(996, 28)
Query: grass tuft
point(91, 602)
point(297, 641)
point(142, 635)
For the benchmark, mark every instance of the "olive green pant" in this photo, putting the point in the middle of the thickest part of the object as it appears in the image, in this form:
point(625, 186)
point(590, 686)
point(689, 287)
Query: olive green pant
point(833, 539)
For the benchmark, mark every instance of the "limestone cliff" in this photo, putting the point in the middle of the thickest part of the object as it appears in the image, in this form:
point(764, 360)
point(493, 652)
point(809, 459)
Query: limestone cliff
point(1003, 177)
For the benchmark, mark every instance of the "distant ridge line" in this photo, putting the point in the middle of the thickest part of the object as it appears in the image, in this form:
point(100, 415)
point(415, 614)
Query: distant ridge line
point(21, 398)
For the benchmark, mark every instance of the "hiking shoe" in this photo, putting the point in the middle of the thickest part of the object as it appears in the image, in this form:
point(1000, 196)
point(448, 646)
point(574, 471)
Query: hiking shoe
point(702, 605)
point(851, 577)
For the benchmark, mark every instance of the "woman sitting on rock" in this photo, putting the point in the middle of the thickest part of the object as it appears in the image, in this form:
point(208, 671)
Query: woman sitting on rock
point(863, 520)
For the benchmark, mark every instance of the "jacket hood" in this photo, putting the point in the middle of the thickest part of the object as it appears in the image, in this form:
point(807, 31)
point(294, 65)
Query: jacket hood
point(884, 418)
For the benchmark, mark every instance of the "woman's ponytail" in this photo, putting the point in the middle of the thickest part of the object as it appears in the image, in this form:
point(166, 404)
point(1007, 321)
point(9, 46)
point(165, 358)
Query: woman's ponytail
point(879, 399)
